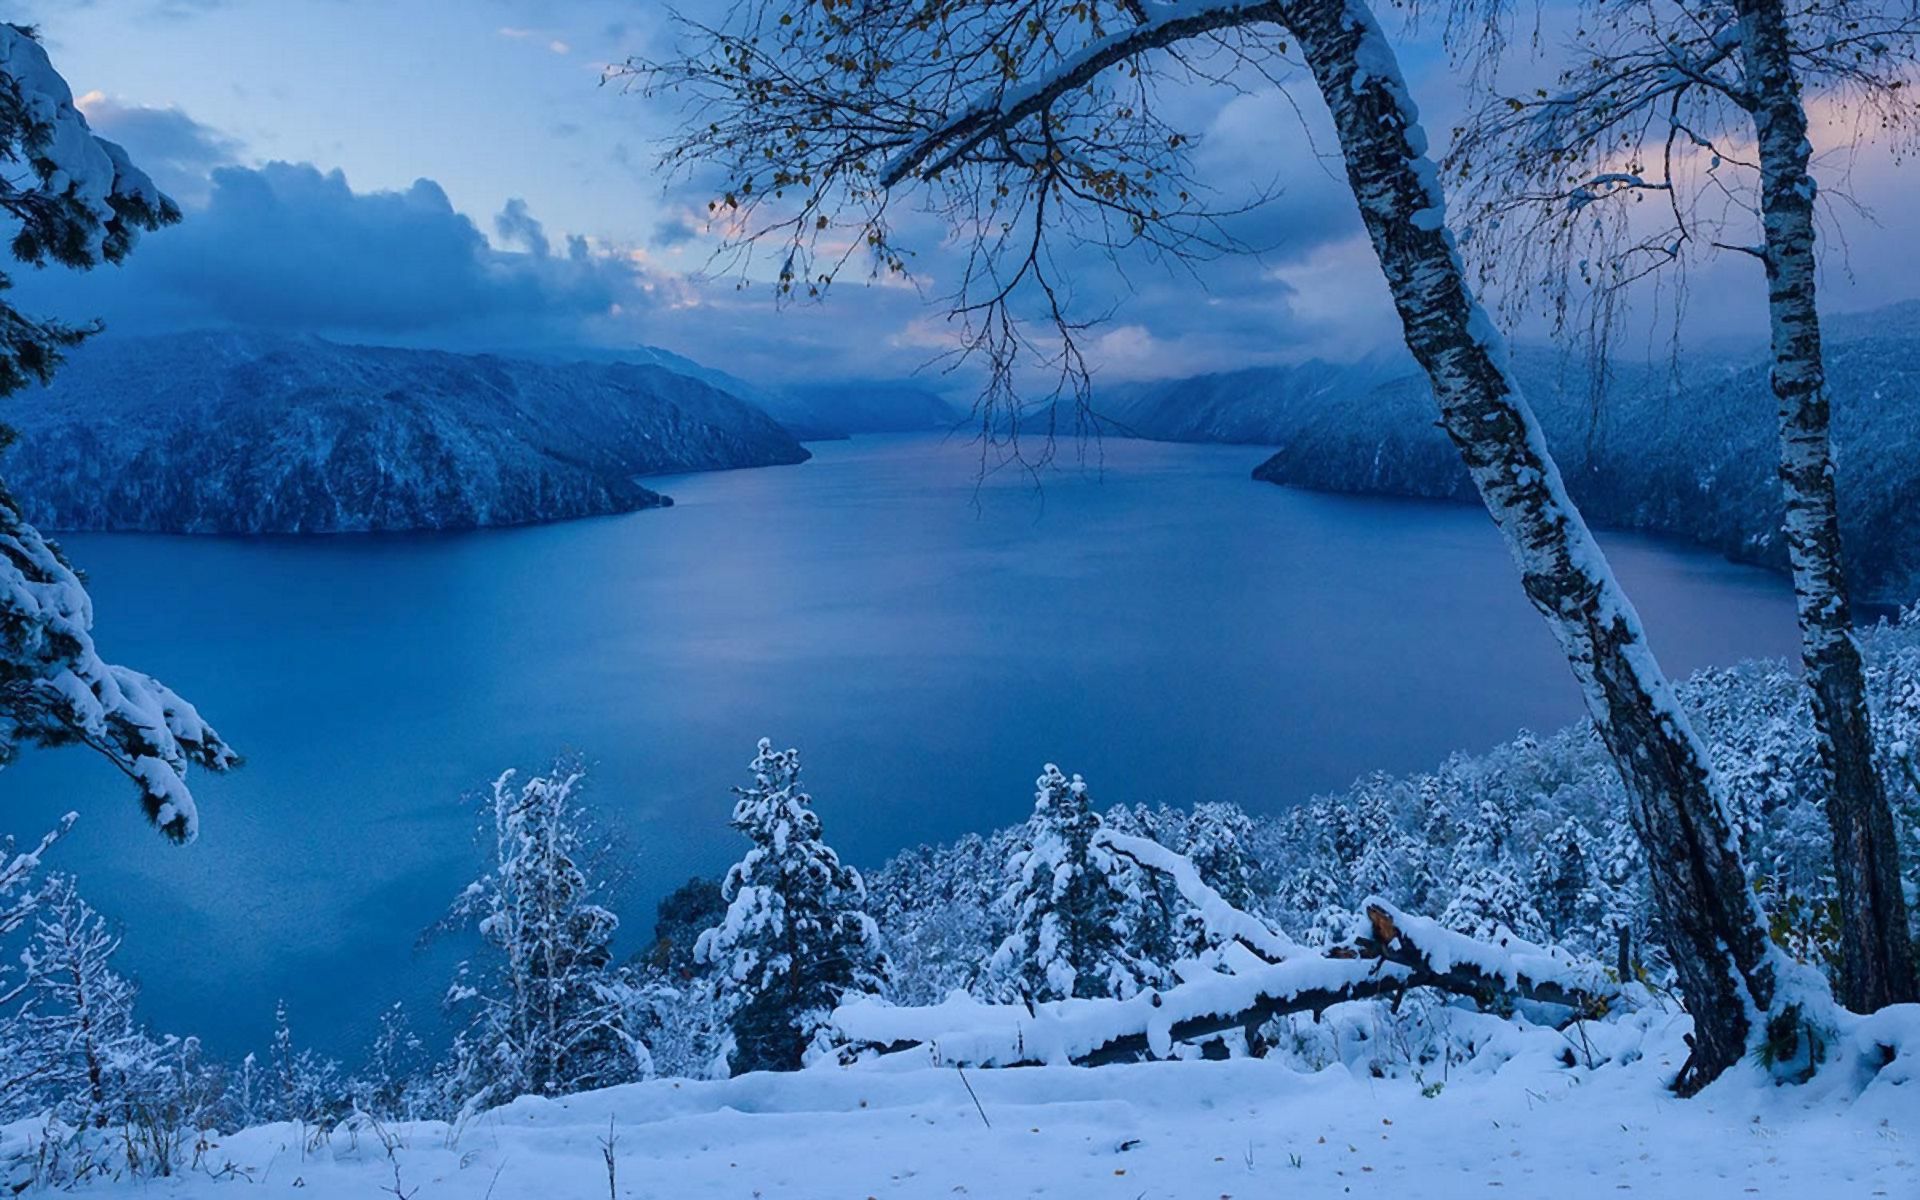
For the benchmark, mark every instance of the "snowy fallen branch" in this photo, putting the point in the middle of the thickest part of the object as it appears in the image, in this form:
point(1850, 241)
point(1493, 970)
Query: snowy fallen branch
point(1224, 923)
point(1393, 954)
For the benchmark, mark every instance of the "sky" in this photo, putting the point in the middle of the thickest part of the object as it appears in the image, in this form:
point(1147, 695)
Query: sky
point(454, 173)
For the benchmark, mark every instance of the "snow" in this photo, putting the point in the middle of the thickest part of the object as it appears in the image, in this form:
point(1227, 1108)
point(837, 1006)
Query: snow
point(71, 160)
point(143, 725)
point(1514, 1118)
point(1223, 921)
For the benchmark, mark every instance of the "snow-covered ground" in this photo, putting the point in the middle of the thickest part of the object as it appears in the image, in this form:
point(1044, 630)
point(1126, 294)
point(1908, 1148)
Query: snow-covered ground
point(1529, 1126)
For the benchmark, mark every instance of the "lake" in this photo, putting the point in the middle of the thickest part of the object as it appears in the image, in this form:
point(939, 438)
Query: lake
point(1162, 624)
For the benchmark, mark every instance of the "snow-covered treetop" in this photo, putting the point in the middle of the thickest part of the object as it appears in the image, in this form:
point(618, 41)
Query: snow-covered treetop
point(777, 814)
point(79, 202)
point(90, 202)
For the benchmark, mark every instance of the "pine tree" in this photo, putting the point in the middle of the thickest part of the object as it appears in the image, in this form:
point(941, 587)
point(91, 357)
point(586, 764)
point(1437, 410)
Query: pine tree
point(1490, 893)
point(1563, 885)
point(544, 1015)
point(1073, 906)
point(75, 201)
point(1430, 886)
point(1218, 837)
point(795, 938)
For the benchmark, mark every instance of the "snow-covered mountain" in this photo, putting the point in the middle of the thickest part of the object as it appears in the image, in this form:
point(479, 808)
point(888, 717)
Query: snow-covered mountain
point(1687, 451)
point(839, 409)
point(810, 411)
point(250, 433)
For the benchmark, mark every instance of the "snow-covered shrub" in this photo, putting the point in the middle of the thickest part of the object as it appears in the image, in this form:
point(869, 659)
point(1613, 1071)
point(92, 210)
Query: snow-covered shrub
point(939, 914)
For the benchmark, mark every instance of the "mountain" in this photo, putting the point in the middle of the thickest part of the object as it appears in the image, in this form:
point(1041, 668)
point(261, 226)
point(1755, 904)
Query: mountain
point(809, 411)
point(1256, 406)
point(1687, 451)
point(858, 406)
point(249, 433)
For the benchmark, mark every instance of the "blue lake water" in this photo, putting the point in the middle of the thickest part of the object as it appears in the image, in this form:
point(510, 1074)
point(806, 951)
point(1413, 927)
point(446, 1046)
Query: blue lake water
point(1164, 625)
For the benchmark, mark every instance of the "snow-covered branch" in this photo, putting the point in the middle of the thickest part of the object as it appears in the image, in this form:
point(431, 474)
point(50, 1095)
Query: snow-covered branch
point(1222, 921)
point(55, 688)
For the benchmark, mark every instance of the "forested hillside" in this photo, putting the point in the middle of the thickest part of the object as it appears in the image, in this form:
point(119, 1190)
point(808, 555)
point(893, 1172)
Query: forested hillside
point(1686, 450)
point(253, 433)
point(812, 411)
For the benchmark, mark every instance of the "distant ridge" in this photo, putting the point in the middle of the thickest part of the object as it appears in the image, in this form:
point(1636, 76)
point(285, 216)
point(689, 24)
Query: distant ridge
point(240, 432)
point(1686, 451)
point(812, 411)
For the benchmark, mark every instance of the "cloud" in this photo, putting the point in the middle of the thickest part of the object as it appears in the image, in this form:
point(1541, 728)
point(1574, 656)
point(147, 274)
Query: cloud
point(178, 151)
point(288, 246)
point(673, 231)
point(517, 226)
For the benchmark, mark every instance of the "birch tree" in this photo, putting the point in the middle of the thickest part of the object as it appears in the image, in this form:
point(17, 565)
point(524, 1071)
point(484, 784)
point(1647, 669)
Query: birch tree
point(1682, 130)
point(544, 1014)
point(74, 200)
point(1009, 118)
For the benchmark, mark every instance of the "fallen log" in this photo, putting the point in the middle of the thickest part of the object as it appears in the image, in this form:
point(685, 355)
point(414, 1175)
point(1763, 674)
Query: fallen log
point(1393, 955)
point(1491, 974)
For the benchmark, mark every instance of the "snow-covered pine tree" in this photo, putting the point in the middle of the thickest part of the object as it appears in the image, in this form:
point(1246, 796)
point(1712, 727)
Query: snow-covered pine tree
point(543, 1015)
point(1430, 885)
point(1071, 905)
point(1218, 840)
point(1563, 886)
point(1490, 890)
point(796, 937)
point(75, 201)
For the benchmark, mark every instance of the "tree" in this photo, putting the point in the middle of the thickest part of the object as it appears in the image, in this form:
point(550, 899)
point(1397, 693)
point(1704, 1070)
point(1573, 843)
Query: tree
point(20, 898)
point(1219, 841)
point(1563, 886)
point(680, 918)
point(1075, 908)
point(1010, 113)
point(544, 1016)
point(85, 1046)
point(77, 202)
point(795, 938)
point(1660, 103)
point(1488, 892)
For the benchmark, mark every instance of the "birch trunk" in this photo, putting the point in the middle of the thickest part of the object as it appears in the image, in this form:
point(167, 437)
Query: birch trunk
point(1877, 955)
point(1716, 935)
